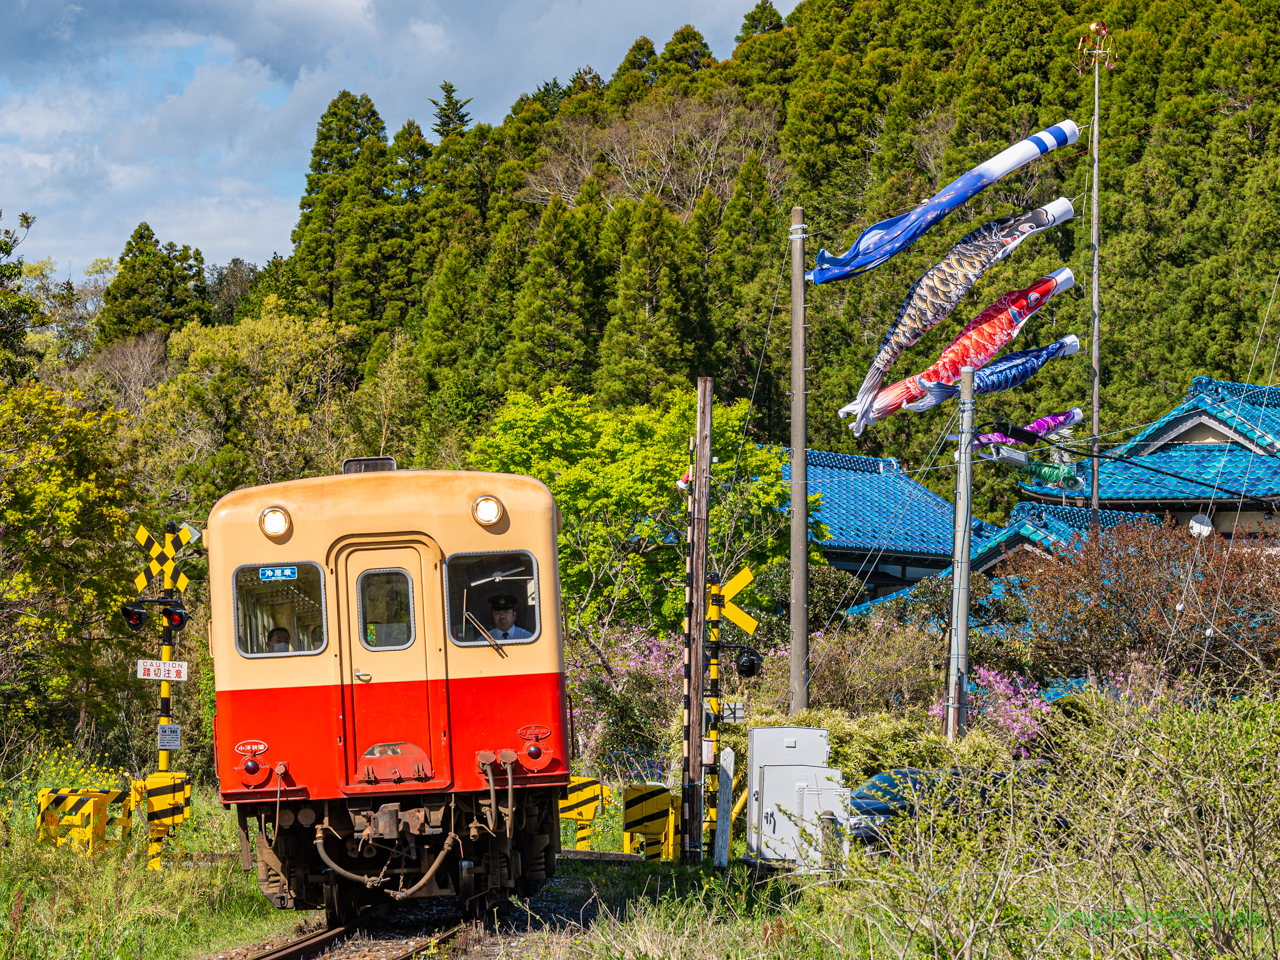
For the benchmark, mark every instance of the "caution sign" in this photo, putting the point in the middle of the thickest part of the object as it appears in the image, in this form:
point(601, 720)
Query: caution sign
point(162, 669)
point(163, 557)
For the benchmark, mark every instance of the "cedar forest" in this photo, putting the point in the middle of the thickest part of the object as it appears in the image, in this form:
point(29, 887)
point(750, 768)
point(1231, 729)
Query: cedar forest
point(534, 294)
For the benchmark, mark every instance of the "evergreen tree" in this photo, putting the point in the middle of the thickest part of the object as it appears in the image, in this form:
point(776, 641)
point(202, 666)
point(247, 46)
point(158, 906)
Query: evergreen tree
point(451, 117)
point(158, 287)
point(646, 347)
point(366, 246)
point(18, 309)
point(685, 54)
point(762, 18)
point(639, 59)
point(349, 126)
point(547, 343)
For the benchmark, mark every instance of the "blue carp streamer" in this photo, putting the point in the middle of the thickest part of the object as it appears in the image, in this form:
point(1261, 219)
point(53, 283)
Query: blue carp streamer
point(1004, 374)
point(880, 242)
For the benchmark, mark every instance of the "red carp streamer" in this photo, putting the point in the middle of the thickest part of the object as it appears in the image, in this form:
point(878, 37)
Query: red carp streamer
point(982, 338)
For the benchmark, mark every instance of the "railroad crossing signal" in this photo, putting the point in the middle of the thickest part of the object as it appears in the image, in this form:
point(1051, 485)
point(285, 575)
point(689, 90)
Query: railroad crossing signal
point(163, 557)
point(721, 606)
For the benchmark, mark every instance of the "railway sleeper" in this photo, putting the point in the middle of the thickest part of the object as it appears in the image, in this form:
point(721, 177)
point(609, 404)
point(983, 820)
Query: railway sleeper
point(384, 848)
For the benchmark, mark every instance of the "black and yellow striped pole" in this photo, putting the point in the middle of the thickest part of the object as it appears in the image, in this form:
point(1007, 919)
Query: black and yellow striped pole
point(715, 603)
point(166, 647)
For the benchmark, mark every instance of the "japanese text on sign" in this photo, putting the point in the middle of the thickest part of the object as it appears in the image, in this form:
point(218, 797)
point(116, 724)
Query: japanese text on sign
point(170, 736)
point(162, 669)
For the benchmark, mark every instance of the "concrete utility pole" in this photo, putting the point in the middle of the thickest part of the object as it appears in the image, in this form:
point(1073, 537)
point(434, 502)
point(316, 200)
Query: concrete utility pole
point(799, 477)
point(695, 605)
point(958, 661)
point(1097, 323)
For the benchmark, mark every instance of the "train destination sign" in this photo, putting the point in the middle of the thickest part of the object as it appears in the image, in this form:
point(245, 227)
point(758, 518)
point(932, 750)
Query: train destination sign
point(162, 670)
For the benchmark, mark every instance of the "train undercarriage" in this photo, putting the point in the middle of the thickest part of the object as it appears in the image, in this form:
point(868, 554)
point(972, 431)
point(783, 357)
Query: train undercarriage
point(342, 855)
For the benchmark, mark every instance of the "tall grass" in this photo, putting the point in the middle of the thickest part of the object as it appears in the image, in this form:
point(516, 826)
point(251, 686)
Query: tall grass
point(57, 903)
point(1149, 828)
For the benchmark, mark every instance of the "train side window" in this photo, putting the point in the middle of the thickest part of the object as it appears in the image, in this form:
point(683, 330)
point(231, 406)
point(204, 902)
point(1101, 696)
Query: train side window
point(494, 594)
point(386, 609)
point(280, 610)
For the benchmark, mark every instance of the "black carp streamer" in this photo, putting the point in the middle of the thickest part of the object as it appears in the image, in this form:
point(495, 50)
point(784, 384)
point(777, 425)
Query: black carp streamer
point(932, 298)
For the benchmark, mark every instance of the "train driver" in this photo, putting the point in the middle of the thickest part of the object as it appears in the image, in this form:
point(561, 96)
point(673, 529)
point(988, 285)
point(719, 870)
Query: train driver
point(504, 618)
point(278, 640)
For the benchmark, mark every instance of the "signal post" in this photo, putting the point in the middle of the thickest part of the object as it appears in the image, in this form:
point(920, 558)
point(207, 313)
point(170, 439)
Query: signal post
point(168, 792)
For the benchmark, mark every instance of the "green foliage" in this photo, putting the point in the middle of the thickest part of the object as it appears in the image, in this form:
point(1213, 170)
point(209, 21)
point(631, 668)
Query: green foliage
point(613, 474)
point(256, 402)
point(762, 18)
point(863, 746)
point(451, 117)
point(18, 309)
point(158, 287)
point(64, 512)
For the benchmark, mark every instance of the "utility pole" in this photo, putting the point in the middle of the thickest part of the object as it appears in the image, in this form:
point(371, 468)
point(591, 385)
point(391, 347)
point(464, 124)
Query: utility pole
point(695, 605)
point(799, 478)
point(958, 661)
point(1095, 47)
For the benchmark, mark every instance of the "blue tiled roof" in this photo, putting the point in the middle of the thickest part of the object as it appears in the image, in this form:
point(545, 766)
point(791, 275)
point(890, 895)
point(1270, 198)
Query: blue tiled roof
point(871, 504)
point(1047, 526)
point(1250, 412)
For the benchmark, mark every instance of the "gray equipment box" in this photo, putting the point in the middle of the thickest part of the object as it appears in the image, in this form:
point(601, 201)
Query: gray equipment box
point(778, 746)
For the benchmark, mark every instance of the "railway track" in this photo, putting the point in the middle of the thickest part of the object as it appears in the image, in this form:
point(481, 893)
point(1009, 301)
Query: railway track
point(349, 942)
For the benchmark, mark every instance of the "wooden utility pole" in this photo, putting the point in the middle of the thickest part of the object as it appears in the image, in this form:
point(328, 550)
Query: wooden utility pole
point(799, 477)
point(695, 605)
point(958, 661)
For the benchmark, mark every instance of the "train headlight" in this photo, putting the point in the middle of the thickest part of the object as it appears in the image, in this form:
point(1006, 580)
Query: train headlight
point(487, 510)
point(275, 522)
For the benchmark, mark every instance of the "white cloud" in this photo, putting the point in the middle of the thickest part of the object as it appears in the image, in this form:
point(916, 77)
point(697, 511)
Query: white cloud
point(198, 115)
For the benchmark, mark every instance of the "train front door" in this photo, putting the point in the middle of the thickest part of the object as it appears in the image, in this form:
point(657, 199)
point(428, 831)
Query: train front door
point(393, 666)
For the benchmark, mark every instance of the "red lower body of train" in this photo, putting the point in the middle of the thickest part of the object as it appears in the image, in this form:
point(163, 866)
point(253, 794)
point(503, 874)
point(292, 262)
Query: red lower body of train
point(425, 788)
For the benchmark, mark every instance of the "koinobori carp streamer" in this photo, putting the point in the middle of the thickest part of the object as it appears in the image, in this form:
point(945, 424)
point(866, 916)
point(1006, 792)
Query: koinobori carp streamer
point(878, 243)
point(1045, 426)
point(976, 345)
point(1006, 373)
point(932, 297)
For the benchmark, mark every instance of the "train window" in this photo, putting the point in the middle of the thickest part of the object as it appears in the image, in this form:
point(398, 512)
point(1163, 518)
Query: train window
point(279, 610)
point(493, 594)
point(386, 610)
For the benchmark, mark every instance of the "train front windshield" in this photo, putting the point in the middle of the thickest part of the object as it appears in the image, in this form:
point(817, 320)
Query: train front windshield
point(481, 587)
point(279, 609)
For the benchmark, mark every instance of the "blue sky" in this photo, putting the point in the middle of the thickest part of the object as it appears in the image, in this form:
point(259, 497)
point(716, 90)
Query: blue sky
point(198, 116)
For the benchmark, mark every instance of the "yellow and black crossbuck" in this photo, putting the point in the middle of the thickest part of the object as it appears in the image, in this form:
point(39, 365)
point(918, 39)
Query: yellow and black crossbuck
point(163, 557)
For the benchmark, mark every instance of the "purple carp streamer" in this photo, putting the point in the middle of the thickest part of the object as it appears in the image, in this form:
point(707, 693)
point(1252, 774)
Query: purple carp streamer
point(932, 298)
point(1006, 373)
point(1046, 426)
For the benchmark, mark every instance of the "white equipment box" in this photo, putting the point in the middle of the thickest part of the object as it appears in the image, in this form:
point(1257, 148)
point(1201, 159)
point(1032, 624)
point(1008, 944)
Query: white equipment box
point(792, 801)
point(780, 747)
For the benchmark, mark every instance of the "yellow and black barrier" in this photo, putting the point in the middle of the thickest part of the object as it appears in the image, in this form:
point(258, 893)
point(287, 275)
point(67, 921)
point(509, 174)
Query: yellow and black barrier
point(649, 812)
point(582, 802)
point(168, 804)
point(82, 817)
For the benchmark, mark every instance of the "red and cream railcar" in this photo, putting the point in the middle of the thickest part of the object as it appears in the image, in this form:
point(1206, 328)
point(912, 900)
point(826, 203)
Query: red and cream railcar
point(379, 734)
